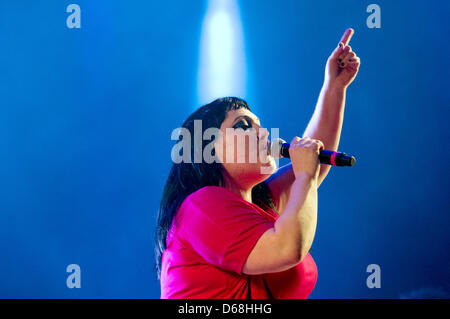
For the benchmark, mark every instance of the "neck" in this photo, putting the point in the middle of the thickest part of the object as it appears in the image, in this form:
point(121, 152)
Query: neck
point(244, 192)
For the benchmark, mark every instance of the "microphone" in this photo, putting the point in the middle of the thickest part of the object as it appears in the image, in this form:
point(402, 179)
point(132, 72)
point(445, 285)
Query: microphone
point(279, 148)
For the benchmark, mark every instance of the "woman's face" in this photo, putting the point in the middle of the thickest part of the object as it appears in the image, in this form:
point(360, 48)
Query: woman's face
point(243, 148)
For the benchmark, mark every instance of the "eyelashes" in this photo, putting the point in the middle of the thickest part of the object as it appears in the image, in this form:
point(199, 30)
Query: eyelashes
point(241, 124)
point(245, 123)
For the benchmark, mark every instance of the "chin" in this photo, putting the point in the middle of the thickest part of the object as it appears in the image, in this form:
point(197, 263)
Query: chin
point(269, 168)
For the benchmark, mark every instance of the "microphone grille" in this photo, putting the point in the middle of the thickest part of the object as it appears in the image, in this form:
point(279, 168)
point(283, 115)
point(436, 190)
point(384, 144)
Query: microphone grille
point(275, 147)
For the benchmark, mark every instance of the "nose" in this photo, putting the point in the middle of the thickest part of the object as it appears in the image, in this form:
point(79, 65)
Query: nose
point(263, 133)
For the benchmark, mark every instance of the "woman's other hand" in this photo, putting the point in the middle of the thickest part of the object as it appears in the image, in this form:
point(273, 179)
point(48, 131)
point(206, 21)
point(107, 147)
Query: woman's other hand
point(343, 64)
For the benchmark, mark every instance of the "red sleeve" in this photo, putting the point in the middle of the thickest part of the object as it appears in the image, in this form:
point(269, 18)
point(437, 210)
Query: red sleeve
point(220, 227)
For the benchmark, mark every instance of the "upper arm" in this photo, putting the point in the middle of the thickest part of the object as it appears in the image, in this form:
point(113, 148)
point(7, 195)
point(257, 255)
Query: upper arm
point(270, 255)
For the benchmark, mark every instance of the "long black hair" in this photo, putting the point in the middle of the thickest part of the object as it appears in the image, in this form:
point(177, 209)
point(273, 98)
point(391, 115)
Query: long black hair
point(186, 178)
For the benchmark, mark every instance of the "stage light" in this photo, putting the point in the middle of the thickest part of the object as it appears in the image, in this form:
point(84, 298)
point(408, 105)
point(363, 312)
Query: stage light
point(222, 70)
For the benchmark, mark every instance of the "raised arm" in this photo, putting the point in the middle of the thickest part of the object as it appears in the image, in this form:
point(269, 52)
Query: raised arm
point(326, 122)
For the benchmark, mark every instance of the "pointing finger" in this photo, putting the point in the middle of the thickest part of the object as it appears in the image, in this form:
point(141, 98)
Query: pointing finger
point(347, 36)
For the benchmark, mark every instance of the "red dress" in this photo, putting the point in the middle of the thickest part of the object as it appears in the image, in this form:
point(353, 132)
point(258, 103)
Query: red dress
point(214, 232)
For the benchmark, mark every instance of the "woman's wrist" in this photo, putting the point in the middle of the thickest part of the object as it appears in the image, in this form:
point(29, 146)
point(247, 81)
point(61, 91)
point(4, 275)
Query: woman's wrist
point(306, 178)
point(334, 86)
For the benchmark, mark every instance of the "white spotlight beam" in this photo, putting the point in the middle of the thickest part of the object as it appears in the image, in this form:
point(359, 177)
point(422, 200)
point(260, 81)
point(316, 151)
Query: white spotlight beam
point(222, 70)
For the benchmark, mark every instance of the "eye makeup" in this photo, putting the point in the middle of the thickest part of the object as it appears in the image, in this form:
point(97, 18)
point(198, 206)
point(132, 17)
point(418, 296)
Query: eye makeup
point(245, 123)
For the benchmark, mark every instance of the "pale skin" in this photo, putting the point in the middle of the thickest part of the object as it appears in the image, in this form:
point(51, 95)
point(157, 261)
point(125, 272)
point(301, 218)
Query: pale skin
point(294, 186)
point(326, 122)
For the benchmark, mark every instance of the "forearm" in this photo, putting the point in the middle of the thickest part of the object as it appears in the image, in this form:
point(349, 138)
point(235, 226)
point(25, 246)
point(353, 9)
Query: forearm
point(326, 123)
point(296, 226)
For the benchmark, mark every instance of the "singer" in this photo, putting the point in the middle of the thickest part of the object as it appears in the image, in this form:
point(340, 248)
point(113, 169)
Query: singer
point(227, 230)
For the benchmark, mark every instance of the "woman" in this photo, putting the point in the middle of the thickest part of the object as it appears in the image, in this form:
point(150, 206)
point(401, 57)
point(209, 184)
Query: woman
point(240, 229)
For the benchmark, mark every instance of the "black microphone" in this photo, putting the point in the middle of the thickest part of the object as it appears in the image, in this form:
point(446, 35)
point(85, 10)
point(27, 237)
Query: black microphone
point(279, 148)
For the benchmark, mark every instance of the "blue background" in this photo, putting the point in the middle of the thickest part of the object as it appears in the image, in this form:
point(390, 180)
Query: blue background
point(86, 116)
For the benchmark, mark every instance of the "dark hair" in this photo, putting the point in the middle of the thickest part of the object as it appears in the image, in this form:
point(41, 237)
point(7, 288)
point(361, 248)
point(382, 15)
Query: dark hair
point(186, 178)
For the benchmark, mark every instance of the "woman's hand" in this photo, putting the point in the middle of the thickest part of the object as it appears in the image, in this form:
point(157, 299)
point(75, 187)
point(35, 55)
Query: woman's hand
point(304, 154)
point(343, 64)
